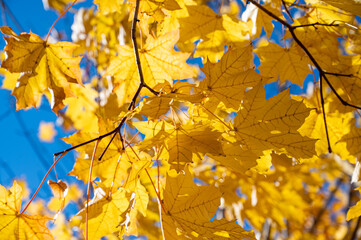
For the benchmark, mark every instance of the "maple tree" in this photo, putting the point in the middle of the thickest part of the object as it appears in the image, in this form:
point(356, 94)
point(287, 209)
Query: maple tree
point(176, 151)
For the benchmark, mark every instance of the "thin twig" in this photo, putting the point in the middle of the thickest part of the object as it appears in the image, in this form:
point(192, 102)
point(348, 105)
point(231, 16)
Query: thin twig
point(155, 189)
point(286, 9)
point(41, 184)
point(88, 189)
point(85, 143)
point(317, 24)
point(61, 15)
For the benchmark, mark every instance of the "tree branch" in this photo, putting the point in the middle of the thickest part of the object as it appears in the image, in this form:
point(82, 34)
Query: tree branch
point(286, 9)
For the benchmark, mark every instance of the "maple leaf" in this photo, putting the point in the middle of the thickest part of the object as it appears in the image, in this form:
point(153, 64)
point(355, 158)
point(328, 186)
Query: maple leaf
point(159, 63)
point(188, 210)
point(283, 63)
point(169, 97)
point(352, 6)
point(14, 225)
point(227, 80)
point(58, 5)
point(216, 30)
point(49, 68)
point(155, 8)
point(109, 6)
point(354, 211)
point(272, 124)
point(104, 213)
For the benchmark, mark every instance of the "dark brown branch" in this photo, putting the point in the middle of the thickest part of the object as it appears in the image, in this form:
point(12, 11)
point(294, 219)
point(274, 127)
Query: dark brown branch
point(324, 115)
point(134, 41)
point(286, 9)
point(317, 24)
point(85, 143)
point(339, 74)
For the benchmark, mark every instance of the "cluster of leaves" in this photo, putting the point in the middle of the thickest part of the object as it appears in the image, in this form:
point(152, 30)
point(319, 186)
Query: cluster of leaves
point(149, 124)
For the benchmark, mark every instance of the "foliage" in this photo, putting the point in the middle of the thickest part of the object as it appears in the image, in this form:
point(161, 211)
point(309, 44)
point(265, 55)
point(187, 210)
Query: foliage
point(177, 151)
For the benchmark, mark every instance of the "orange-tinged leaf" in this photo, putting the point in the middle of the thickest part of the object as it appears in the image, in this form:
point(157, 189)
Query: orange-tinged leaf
point(14, 226)
point(189, 208)
point(73, 194)
point(49, 68)
point(59, 190)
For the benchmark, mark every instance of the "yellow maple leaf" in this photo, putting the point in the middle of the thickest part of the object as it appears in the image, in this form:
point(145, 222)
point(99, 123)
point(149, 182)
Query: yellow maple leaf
point(155, 8)
point(260, 19)
point(182, 142)
point(73, 194)
point(283, 63)
point(49, 68)
point(104, 213)
point(338, 125)
point(353, 140)
point(47, 131)
point(188, 139)
point(188, 210)
point(215, 30)
point(352, 6)
point(160, 62)
point(14, 225)
point(227, 80)
point(109, 6)
point(272, 124)
point(58, 5)
point(10, 79)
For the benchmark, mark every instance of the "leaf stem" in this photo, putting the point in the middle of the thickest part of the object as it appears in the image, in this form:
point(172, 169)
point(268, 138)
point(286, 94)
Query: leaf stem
point(156, 192)
point(42, 182)
point(61, 15)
